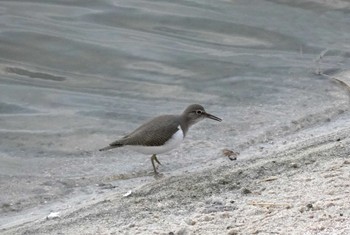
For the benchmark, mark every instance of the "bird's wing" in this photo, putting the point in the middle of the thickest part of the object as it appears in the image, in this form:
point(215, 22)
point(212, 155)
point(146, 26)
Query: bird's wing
point(153, 133)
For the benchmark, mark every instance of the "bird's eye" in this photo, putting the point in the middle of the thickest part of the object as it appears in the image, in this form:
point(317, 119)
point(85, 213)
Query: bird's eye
point(199, 112)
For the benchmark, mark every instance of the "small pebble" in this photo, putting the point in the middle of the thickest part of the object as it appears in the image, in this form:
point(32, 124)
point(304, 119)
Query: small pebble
point(232, 232)
point(207, 218)
point(53, 215)
point(330, 204)
point(230, 154)
point(225, 215)
point(182, 231)
point(190, 221)
point(127, 194)
point(294, 165)
point(106, 186)
point(246, 191)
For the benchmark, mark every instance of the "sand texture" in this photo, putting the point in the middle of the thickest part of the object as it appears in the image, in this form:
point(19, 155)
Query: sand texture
point(299, 188)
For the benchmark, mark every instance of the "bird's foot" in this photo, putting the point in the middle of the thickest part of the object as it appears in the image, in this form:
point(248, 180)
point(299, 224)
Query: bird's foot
point(158, 175)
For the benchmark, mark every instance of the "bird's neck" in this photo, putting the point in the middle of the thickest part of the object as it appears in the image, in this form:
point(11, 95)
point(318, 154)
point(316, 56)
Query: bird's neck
point(185, 124)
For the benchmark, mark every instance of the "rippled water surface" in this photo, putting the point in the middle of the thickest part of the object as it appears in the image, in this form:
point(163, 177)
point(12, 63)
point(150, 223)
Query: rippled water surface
point(76, 75)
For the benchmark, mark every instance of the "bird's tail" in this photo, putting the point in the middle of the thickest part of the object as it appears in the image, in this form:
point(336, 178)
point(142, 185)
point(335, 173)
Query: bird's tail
point(111, 146)
point(106, 148)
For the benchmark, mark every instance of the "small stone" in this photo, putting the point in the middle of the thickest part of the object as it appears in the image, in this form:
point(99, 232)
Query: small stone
point(190, 221)
point(106, 186)
point(53, 215)
point(330, 204)
point(225, 215)
point(246, 191)
point(294, 165)
point(127, 194)
point(207, 218)
point(309, 206)
point(230, 154)
point(182, 231)
point(232, 232)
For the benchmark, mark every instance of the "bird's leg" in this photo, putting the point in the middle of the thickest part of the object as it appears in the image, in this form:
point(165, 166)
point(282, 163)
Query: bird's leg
point(154, 158)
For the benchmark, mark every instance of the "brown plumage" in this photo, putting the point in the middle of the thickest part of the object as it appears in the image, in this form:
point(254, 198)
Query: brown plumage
point(162, 133)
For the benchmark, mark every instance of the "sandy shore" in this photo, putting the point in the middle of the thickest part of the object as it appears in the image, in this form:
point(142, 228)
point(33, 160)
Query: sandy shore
point(76, 75)
point(297, 186)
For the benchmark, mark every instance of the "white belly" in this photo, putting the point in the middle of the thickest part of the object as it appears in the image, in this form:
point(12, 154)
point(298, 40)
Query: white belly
point(175, 141)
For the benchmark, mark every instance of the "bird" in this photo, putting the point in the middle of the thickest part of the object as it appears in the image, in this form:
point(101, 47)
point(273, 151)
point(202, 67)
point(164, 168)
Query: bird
point(163, 133)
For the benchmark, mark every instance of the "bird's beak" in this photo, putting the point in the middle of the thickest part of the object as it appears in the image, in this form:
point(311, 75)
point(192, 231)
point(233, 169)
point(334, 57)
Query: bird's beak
point(208, 115)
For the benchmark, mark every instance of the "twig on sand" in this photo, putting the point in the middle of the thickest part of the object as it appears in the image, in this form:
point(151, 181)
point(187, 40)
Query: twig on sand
point(271, 178)
point(269, 204)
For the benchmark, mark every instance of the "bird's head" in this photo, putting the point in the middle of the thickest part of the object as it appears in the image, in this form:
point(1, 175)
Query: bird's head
point(195, 113)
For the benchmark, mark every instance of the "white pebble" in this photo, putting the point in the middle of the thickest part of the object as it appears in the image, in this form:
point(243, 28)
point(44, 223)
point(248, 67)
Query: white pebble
point(127, 194)
point(53, 215)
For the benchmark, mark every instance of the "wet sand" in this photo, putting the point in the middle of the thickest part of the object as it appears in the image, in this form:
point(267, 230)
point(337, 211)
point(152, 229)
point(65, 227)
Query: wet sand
point(76, 76)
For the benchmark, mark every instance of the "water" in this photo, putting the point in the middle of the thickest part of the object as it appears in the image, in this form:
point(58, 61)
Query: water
point(76, 75)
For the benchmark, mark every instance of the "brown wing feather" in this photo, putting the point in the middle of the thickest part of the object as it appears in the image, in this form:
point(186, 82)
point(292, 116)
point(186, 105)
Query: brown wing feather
point(153, 133)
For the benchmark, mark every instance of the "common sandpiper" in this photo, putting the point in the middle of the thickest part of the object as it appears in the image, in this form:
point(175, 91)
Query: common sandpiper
point(163, 133)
